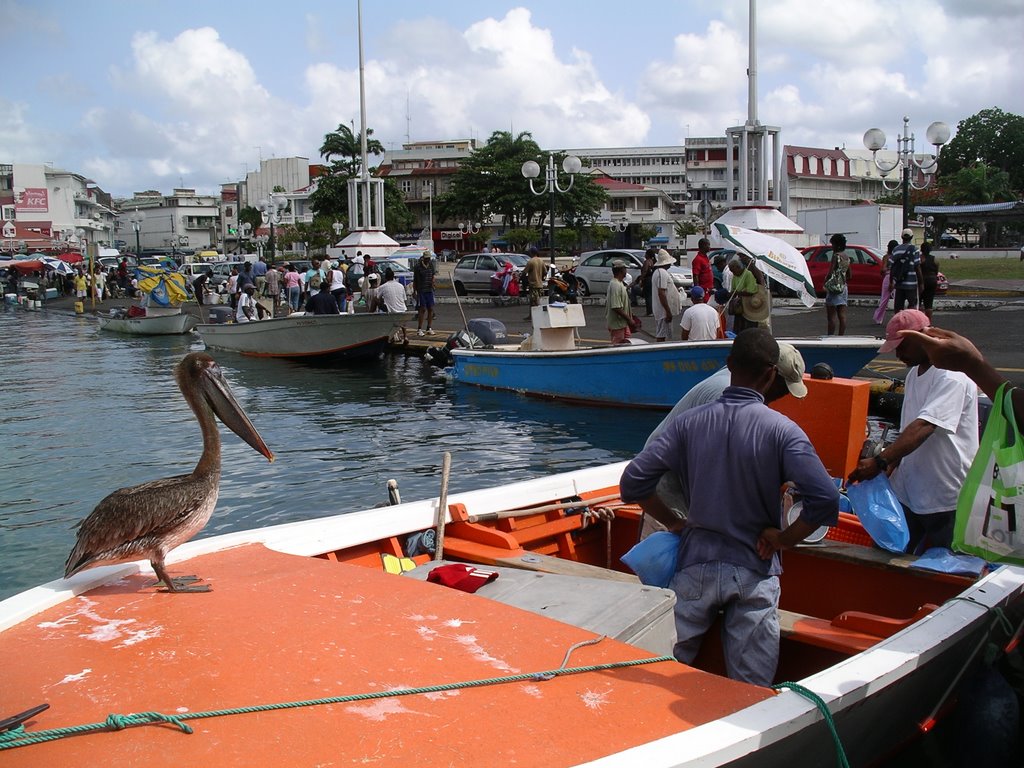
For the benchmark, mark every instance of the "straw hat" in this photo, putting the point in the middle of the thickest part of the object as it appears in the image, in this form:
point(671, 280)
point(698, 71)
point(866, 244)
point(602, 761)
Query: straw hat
point(757, 307)
point(664, 258)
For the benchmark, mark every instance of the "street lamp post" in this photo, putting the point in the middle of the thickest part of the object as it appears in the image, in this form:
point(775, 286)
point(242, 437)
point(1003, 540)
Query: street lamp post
point(271, 211)
point(705, 206)
point(531, 170)
point(136, 220)
point(243, 234)
point(874, 139)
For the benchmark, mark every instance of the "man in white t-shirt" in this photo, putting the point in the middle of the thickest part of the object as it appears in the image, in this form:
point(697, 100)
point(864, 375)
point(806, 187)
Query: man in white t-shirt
point(391, 295)
point(938, 438)
point(699, 322)
point(246, 309)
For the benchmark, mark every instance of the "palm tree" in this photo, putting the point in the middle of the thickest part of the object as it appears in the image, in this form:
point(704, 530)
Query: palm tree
point(345, 144)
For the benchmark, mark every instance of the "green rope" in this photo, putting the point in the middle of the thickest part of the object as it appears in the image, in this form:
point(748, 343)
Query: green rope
point(18, 737)
point(826, 713)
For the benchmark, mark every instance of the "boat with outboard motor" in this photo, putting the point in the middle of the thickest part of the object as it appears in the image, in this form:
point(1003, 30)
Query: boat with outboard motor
point(551, 364)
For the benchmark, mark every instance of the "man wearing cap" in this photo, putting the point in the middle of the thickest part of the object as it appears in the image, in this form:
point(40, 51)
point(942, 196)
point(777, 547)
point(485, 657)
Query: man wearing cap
point(905, 273)
point(729, 550)
point(701, 321)
point(667, 302)
point(535, 275)
point(617, 309)
point(938, 439)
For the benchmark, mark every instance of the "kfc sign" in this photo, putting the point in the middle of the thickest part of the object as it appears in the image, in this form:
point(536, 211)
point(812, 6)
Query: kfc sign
point(34, 199)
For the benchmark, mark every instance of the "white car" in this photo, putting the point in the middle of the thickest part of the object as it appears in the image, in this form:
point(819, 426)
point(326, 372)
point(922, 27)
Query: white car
point(594, 270)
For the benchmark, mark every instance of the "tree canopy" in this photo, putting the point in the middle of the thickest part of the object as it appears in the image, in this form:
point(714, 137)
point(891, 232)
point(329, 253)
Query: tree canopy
point(489, 184)
point(991, 137)
point(347, 147)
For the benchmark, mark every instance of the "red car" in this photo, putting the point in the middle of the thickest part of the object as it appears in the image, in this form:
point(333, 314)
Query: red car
point(865, 269)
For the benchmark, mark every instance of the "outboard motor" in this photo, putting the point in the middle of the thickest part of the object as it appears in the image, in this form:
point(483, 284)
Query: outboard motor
point(441, 356)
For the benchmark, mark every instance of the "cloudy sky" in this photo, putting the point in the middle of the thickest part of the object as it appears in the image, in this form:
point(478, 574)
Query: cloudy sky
point(154, 95)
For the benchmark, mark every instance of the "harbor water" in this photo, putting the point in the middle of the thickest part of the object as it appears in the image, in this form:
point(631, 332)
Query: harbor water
point(83, 413)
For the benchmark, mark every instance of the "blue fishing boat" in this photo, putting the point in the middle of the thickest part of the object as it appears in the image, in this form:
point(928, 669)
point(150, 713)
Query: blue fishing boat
point(638, 375)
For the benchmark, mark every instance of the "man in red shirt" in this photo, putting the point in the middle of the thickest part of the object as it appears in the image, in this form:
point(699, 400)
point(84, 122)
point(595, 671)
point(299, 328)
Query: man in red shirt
point(701, 268)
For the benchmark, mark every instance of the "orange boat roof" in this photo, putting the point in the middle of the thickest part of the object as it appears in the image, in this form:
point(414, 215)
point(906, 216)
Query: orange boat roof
point(280, 628)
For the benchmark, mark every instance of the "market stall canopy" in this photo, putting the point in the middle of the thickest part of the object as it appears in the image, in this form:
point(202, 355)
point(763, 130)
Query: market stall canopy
point(70, 258)
point(27, 267)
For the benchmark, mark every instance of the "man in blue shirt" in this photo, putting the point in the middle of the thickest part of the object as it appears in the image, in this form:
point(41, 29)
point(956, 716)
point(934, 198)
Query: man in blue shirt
point(259, 273)
point(733, 457)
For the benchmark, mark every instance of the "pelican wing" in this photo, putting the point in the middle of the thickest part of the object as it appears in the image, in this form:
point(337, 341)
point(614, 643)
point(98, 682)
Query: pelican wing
point(129, 522)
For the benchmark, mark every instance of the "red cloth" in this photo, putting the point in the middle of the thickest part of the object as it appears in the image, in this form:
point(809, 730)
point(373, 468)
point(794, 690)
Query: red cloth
point(468, 578)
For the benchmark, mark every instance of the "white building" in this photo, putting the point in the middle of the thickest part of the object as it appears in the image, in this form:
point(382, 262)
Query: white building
point(183, 221)
point(50, 207)
point(662, 168)
point(277, 173)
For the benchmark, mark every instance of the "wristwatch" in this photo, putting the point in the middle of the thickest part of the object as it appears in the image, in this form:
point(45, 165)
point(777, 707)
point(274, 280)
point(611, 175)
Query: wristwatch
point(882, 463)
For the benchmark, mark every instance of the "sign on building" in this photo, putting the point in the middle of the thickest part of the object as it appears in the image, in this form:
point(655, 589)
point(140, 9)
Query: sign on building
point(451, 234)
point(33, 199)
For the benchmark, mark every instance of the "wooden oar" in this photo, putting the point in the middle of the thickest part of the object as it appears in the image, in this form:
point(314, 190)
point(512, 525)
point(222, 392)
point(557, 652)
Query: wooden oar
point(442, 506)
point(506, 513)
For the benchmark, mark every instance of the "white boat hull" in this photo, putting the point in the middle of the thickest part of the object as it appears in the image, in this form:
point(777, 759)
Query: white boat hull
point(305, 336)
point(150, 325)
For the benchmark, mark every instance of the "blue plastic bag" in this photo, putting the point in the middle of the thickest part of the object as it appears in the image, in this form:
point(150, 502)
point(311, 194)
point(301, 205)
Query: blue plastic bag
point(880, 513)
point(654, 559)
point(943, 560)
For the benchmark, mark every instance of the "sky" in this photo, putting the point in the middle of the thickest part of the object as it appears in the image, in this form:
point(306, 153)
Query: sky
point(158, 95)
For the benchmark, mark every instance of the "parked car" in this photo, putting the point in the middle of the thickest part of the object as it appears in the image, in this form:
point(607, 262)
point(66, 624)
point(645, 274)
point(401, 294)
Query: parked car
point(402, 273)
point(473, 271)
point(221, 273)
point(865, 269)
point(594, 270)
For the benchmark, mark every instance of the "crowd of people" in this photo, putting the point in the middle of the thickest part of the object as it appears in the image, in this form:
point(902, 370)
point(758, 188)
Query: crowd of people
point(326, 287)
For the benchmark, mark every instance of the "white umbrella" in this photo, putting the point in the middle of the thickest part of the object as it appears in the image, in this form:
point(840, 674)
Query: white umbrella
point(58, 266)
point(776, 258)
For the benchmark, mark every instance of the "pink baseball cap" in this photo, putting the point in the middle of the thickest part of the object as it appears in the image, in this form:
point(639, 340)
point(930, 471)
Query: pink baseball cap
point(906, 320)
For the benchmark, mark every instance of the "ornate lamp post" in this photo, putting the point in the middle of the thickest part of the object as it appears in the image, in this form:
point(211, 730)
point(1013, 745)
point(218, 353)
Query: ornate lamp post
point(531, 170)
point(261, 242)
point(136, 220)
point(243, 234)
point(874, 139)
point(271, 211)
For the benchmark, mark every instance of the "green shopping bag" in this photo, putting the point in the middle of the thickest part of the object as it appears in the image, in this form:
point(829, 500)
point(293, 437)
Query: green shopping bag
point(991, 503)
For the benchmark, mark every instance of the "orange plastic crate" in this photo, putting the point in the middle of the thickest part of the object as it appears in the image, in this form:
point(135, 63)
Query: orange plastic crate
point(850, 531)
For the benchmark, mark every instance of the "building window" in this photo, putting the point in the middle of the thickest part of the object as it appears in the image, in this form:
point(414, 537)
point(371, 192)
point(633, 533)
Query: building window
point(229, 211)
point(8, 213)
point(617, 206)
point(406, 187)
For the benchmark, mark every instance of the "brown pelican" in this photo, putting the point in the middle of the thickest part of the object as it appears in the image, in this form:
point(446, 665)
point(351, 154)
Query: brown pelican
point(149, 520)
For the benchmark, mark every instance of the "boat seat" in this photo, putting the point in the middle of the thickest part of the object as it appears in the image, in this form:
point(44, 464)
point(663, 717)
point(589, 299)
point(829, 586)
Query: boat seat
point(824, 634)
point(849, 632)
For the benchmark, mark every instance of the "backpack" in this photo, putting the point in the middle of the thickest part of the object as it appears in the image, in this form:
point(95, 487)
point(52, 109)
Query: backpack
point(314, 280)
point(902, 257)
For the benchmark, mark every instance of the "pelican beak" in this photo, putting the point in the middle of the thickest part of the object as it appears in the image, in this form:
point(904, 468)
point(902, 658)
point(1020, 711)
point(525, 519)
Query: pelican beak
point(218, 395)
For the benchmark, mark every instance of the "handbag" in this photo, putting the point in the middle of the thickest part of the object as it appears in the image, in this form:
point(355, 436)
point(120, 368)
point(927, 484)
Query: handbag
point(992, 496)
point(736, 305)
point(835, 282)
point(880, 512)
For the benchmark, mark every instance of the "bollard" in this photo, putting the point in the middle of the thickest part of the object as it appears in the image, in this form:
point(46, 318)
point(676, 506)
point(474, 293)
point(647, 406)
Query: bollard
point(79, 307)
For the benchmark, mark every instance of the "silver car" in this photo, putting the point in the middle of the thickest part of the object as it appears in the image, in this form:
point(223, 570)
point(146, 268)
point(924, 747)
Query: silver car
point(473, 272)
point(594, 270)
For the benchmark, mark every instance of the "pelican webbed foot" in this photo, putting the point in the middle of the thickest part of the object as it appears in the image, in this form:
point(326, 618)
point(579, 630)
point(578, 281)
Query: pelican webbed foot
point(181, 584)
